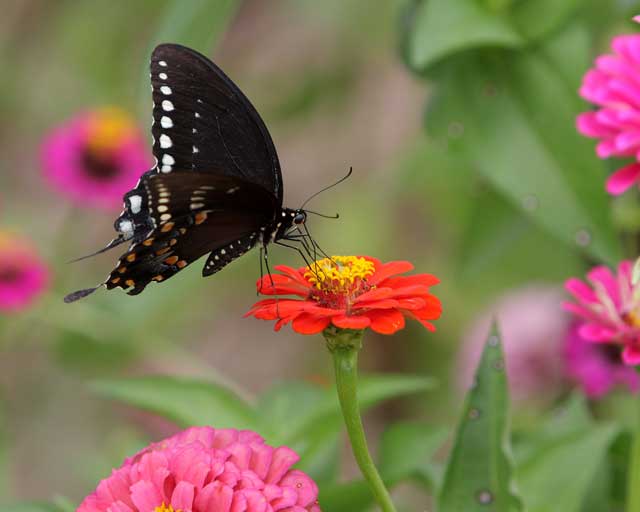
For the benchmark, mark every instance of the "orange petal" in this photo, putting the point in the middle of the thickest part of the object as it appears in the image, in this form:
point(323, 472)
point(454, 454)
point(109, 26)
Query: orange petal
point(426, 324)
point(310, 324)
point(377, 304)
point(389, 293)
point(389, 269)
point(386, 321)
point(400, 281)
point(293, 274)
point(431, 310)
point(281, 285)
point(375, 294)
point(351, 321)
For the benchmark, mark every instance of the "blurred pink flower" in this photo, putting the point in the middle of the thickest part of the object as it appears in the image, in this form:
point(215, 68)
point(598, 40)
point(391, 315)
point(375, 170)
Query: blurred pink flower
point(610, 307)
point(597, 368)
point(533, 328)
point(614, 86)
point(23, 275)
point(95, 158)
point(206, 470)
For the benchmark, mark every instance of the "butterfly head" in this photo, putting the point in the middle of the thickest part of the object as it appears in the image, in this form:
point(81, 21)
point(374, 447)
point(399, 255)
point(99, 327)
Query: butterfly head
point(299, 217)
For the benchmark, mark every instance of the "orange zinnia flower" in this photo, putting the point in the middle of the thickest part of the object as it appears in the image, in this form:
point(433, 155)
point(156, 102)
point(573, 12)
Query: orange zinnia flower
point(350, 292)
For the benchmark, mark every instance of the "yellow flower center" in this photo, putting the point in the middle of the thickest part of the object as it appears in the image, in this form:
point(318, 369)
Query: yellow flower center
point(108, 128)
point(165, 508)
point(339, 273)
point(338, 280)
point(632, 318)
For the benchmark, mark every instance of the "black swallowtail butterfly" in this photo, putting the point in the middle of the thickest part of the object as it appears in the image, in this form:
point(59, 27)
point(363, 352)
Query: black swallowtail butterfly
point(216, 187)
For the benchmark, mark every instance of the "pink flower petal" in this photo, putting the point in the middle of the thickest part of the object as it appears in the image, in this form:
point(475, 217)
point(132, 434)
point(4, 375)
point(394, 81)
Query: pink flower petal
point(182, 497)
point(631, 355)
point(597, 333)
point(623, 179)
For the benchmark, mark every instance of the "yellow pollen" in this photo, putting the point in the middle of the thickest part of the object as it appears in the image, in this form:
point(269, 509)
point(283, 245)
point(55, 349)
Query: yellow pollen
point(632, 318)
point(108, 128)
point(165, 508)
point(339, 272)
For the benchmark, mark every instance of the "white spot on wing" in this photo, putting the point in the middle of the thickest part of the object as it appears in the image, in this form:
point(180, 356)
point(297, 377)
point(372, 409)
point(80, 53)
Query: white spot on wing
point(166, 90)
point(166, 122)
point(125, 226)
point(166, 168)
point(162, 63)
point(195, 149)
point(163, 76)
point(167, 159)
point(167, 106)
point(135, 202)
point(165, 141)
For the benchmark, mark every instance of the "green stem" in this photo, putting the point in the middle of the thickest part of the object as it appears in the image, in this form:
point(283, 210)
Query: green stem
point(344, 345)
point(633, 481)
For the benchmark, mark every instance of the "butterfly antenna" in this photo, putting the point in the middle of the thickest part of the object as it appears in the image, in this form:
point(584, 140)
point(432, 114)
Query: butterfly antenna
point(115, 242)
point(336, 216)
point(328, 187)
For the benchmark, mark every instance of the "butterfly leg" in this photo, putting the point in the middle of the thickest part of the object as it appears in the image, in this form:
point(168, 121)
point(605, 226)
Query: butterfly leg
point(264, 259)
point(297, 249)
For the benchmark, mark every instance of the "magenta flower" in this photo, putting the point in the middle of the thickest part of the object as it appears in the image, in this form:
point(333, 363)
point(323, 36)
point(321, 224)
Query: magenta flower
point(95, 158)
point(597, 367)
point(206, 470)
point(533, 328)
point(610, 309)
point(614, 86)
point(23, 275)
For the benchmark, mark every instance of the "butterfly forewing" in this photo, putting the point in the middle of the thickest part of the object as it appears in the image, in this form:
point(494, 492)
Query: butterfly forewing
point(203, 122)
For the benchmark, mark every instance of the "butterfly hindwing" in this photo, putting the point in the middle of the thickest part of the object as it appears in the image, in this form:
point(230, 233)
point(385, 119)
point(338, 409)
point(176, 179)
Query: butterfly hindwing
point(192, 215)
point(203, 122)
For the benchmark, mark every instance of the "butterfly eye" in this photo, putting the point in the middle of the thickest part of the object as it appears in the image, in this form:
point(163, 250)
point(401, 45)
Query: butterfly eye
point(300, 218)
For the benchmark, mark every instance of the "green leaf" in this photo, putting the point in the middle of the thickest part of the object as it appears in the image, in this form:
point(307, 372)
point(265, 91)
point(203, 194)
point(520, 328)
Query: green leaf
point(514, 119)
point(346, 497)
point(479, 471)
point(445, 27)
point(406, 447)
point(372, 389)
point(561, 462)
point(187, 402)
point(318, 446)
point(528, 18)
point(557, 475)
point(308, 419)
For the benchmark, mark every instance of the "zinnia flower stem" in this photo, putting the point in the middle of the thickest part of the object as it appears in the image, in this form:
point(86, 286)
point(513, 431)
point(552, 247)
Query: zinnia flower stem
point(633, 482)
point(344, 345)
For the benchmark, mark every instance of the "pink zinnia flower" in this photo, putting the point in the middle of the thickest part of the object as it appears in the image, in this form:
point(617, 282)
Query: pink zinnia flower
point(206, 470)
point(95, 158)
point(610, 307)
point(614, 85)
point(533, 328)
point(23, 275)
point(597, 367)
